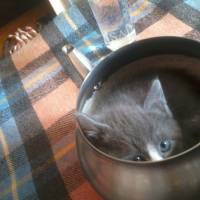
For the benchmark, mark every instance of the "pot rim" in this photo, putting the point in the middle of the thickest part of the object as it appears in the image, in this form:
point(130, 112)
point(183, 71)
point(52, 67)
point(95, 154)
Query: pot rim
point(138, 44)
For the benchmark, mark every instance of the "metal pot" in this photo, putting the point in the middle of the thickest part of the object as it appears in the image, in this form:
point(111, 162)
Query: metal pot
point(177, 177)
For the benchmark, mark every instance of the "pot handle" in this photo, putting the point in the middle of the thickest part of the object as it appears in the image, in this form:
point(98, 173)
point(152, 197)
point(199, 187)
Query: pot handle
point(78, 60)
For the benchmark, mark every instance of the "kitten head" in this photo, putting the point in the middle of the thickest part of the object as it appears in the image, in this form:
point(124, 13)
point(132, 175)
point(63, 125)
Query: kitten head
point(166, 134)
point(133, 132)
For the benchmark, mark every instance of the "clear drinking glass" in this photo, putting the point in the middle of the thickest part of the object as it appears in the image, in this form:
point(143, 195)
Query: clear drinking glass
point(114, 22)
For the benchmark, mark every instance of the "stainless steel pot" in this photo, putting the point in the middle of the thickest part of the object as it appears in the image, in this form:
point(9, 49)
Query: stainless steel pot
point(175, 178)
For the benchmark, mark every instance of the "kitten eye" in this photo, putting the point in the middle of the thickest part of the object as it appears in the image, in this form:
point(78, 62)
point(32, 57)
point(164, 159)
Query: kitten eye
point(165, 146)
point(138, 158)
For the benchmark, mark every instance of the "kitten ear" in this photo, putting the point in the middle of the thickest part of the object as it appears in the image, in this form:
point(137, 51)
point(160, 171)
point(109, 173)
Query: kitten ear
point(156, 99)
point(92, 128)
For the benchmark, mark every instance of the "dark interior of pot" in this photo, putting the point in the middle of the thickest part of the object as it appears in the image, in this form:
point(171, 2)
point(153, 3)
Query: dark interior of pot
point(166, 89)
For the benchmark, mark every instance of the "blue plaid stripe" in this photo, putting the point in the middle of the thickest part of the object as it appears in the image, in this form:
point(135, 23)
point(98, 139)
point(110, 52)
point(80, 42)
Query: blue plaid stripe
point(10, 185)
point(93, 47)
point(10, 140)
point(15, 94)
point(194, 4)
point(95, 40)
point(68, 25)
point(5, 113)
point(140, 9)
point(81, 35)
point(24, 181)
point(22, 139)
point(12, 134)
point(3, 103)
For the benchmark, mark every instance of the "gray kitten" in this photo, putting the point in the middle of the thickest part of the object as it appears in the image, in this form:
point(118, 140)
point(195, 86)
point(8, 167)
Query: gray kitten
point(127, 130)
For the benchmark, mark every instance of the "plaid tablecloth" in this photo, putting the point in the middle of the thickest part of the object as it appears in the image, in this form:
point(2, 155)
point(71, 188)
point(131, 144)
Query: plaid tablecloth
point(38, 92)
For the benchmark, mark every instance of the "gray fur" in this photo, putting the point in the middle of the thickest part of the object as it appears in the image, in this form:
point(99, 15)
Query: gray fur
point(124, 128)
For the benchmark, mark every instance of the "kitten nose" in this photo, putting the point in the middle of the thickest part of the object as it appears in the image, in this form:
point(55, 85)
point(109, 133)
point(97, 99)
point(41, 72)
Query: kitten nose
point(153, 153)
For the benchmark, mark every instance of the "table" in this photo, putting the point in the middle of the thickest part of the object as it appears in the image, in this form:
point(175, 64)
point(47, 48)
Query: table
point(39, 86)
